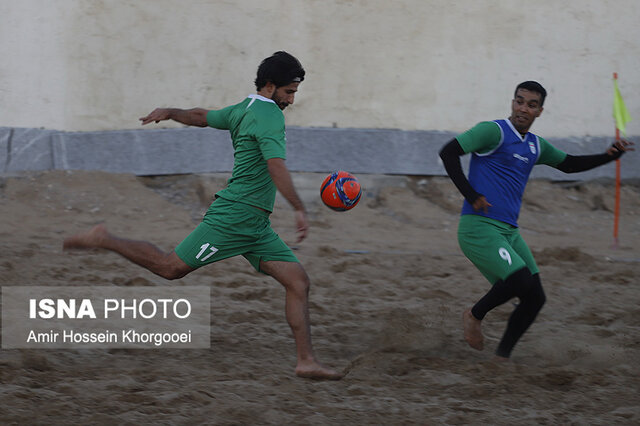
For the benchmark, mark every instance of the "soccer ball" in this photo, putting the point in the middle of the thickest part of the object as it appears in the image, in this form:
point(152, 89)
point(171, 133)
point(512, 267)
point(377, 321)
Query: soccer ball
point(340, 191)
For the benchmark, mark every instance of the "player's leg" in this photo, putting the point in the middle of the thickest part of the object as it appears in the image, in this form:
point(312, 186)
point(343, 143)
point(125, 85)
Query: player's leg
point(268, 254)
point(532, 298)
point(294, 279)
point(215, 238)
point(484, 243)
point(271, 255)
point(143, 253)
point(501, 292)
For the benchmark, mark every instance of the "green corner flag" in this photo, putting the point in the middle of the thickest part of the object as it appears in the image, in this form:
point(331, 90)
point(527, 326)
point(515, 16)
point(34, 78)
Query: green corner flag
point(620, 113)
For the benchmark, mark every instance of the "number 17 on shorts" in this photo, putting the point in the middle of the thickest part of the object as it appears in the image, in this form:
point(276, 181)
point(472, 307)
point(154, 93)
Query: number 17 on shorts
point(206, 251)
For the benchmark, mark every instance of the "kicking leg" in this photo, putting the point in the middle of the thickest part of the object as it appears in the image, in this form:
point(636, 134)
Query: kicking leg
point(166, 265)
point(296, 283)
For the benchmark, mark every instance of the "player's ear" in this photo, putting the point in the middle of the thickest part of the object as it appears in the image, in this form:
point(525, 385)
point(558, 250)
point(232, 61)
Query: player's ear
point(269, 88)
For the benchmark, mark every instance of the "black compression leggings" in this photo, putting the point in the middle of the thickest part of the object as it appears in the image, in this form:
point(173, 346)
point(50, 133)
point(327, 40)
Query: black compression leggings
point(529, 290)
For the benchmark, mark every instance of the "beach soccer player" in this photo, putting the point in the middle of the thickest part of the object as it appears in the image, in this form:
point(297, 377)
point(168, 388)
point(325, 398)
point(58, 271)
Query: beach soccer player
point(503, 152)
point(237, 222)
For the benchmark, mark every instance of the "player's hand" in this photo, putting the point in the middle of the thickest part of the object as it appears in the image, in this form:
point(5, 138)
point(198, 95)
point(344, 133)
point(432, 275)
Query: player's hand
point(621, 145)
point(157, 115)
point(481, 203)
point(302, 226)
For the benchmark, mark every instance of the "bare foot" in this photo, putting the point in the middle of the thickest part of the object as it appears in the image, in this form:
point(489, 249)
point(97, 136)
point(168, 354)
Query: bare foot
point(472, 331)
point(497, 358)
point(315, 370)
point(92, 238)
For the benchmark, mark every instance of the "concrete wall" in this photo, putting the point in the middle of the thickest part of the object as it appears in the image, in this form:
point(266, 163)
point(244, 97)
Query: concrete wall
point(89, 65)
point(195, 150)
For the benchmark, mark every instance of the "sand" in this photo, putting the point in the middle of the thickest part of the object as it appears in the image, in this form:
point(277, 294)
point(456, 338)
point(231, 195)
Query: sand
point(389, 285)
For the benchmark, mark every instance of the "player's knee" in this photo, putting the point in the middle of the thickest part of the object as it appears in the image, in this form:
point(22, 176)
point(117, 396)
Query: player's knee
point(173, 274)
point(299, 285)
point(536, 293)
point(302, 285)
point(529, 288)
point(173, 270)
point(291, 275)
point(532, 293)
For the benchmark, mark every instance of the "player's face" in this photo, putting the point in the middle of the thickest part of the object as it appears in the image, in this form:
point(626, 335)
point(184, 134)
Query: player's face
point(525, 108)
point(284, 96)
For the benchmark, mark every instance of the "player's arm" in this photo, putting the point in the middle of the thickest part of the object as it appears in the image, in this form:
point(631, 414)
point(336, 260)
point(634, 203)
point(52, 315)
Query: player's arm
point(450, 155)
point(282, 179)
point(580, 163)
point(190, 117)
point(483, 137)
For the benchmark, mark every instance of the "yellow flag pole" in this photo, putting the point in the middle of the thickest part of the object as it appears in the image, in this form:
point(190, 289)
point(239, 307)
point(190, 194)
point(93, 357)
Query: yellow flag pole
point(616, 214)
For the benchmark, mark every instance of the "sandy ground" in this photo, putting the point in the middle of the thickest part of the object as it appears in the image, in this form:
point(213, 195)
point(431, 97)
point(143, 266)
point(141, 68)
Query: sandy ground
point(389, 284)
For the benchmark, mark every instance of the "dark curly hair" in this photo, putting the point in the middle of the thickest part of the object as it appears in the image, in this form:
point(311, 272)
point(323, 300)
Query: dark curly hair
point(281, 69)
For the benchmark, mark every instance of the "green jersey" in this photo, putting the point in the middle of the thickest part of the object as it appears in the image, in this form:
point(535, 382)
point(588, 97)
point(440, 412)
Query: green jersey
point(257, 131)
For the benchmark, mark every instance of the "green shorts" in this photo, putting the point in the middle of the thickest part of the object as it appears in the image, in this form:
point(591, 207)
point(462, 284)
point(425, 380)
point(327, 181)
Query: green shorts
point(495, 248)
point(230, 229)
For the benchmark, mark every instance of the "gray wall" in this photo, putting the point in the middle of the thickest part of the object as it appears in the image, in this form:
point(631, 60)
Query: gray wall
point(196, 150)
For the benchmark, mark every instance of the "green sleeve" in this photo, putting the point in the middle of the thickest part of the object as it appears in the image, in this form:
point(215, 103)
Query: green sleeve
point(270, 133)
point(481, 138)
point(219, 119)
point(549, 154)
